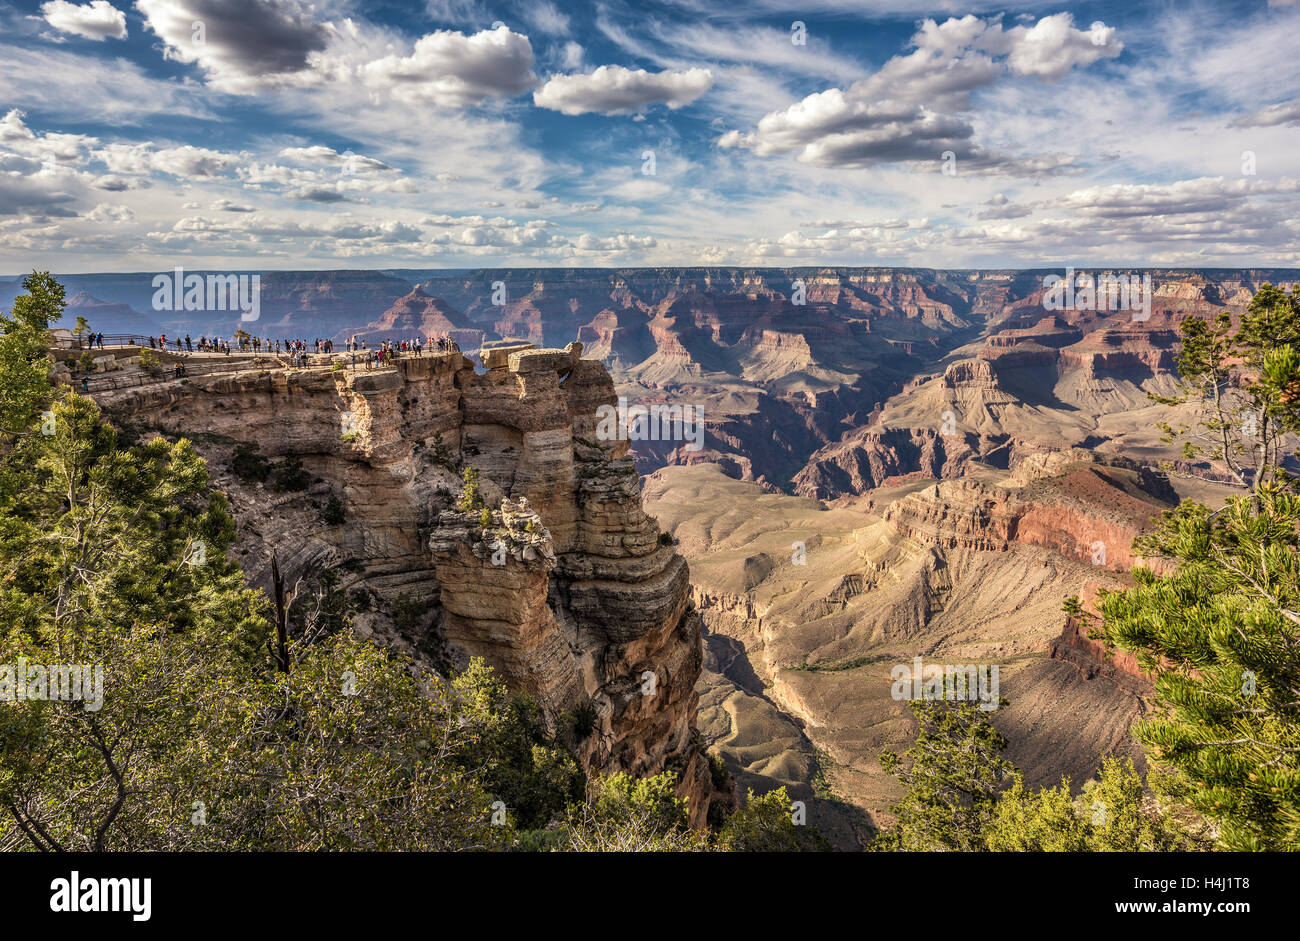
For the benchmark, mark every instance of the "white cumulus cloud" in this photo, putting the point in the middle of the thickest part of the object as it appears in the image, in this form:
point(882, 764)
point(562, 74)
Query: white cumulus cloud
point(612, 89)
point(98, 20)
point(914, 108)
point(451, 69)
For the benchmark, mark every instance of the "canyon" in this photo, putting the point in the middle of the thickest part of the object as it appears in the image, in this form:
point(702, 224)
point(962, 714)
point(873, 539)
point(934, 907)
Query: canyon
point(909, 462)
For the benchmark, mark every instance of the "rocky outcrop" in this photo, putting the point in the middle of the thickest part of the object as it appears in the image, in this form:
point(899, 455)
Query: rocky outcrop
point(567, 587)
point(1125, 348)
point(1094, 659)
point(1068, 502)
point(872, 456)
point(418, 315)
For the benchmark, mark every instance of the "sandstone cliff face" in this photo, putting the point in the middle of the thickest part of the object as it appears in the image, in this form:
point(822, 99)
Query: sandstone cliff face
point(1093, 659)
point(570, 593)
point(1068, 502)
point(1071, 503)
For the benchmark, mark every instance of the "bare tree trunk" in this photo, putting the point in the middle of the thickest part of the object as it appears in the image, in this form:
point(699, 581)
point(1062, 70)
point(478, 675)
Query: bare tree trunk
point(281, 653)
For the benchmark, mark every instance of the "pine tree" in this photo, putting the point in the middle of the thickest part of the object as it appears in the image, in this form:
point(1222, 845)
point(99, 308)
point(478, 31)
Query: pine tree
point(1109, 815)
point(25, 354)
point(952, 779)
point(1221, 634)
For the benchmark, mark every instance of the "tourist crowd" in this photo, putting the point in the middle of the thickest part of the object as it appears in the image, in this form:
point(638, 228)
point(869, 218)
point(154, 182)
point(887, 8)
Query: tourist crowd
point(244, 343)
point(297, 348)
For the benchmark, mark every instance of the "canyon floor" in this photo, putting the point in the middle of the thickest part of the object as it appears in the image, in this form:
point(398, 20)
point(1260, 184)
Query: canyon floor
point(796, 689)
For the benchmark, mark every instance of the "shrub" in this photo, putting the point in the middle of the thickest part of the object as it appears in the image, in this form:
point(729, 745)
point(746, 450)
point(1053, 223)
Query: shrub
point(334, 513)
point(764, 825)
point(441, 455)
point(408, 612)
point(627, 814)
point(470, 500)
point(247, 464)
point(150, 362)
point(508, 746)
point(718, 772)
point(289, 475)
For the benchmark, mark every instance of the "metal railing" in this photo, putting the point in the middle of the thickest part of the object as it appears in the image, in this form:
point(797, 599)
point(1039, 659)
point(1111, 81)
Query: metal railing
point(119, 340)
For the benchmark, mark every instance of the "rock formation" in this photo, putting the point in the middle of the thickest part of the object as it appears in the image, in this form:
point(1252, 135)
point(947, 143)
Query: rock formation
point(808, 608)
point(1066, 501)
point(570, 591)
point(419, 315)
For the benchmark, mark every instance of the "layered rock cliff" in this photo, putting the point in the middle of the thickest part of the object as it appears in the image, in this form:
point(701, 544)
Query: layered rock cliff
point(570, 591)
point(1068, 501)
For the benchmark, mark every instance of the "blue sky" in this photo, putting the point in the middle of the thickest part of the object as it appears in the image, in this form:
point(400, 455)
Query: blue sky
point(282, 134)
